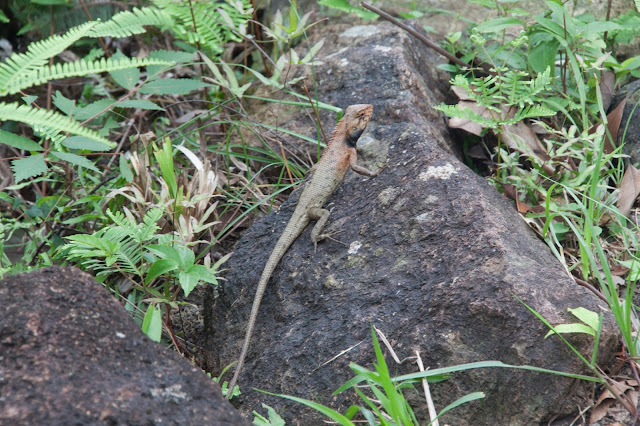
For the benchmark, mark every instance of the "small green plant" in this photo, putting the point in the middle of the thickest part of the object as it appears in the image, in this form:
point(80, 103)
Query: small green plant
point(382, 396)
point(127, 249)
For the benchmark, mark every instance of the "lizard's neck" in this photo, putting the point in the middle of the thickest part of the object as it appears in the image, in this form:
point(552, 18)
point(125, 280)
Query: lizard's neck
point(339, 133)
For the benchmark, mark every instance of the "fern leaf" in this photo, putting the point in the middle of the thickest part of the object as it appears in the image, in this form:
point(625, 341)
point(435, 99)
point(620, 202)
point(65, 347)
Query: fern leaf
point(38, 53)
point(77, 68)
point(467, 114)
point(127, 23)
point(50, 119)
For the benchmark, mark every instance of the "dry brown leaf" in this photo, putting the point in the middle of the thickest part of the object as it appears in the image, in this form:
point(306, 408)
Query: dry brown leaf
point(522, 138)
point(460, 92)
point(613, 124)
point(614, 118)
point(607, 83)
point(600, 410)
point(629, 190)
point(468, 125)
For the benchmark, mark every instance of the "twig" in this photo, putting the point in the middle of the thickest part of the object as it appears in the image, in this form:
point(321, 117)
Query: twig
point(416, 34)
point(427, 394)
point(315, 110)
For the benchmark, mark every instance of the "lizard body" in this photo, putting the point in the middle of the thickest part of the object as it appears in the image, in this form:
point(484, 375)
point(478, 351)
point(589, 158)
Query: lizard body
point(339, 156)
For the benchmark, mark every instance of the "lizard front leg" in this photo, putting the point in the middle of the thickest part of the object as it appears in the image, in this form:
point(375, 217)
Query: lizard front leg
point(321, 216)
point(353, 163)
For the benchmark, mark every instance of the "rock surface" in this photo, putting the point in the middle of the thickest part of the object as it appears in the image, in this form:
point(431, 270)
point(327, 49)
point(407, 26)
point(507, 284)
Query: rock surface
point(70, 355)
point(433, 256)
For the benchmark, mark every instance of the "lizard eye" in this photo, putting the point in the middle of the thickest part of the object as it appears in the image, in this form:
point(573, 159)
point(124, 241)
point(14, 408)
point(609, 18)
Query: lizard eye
point(354, 128)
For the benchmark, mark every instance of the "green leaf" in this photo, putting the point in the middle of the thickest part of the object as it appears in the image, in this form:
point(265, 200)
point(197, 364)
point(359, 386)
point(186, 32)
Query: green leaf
point(81, 142)
point(467, 398)
point(139, 103)
point(544, 55)
point(345, 6)
point(274, 418)
point(572, 328)
point(332, 414)
point(93, 109)
point(3, 17)
point(160, 267)
point(18, 141)
point(172, 86)
point(30, 166)
point(496, 25)
point(152, 323)
point(76, 160)
point(63, 104)
point(128, 77)
point(586, 316)
point(125, 170)
point(187, 281)
point(29, 99)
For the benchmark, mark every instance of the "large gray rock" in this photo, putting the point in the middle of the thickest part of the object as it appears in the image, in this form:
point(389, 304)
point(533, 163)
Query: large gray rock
point(433, 256)
point(70, 355)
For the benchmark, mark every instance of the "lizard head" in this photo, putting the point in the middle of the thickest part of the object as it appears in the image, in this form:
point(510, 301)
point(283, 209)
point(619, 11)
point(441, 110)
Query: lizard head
point(356, 118)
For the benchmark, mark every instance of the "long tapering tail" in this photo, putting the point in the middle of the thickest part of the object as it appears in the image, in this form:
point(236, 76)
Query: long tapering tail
point(280, 249)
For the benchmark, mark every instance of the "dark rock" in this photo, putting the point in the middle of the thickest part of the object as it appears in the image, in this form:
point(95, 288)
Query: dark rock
point(70, 355)
point(629, 131)
point(433, 256)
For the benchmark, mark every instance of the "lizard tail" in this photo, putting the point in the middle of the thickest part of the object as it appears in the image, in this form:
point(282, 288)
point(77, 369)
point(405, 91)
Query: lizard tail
point(277, 253)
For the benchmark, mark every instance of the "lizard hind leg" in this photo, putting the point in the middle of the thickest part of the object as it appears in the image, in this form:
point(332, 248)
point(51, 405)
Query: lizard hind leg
point(322, 216)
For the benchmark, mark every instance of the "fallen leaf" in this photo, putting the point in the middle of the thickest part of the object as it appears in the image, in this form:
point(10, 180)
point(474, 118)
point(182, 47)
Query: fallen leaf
point(607, 83)
point(629, 189)
point(600, 410)
point(522, 138)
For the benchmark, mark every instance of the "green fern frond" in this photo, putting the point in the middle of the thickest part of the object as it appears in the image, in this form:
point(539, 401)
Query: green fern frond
point(211, 27)
point(467, 114)
point(532, 111)
point(38, 53)
point(50, 119)
point(127, 23)
point(77, 68)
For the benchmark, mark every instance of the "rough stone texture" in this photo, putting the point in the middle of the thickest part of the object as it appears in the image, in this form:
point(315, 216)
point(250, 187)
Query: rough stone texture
point(440, 256)
point(629, 131)
point(70, 355)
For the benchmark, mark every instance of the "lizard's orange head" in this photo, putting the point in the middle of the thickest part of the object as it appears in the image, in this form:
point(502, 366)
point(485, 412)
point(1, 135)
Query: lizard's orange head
point(356, 118)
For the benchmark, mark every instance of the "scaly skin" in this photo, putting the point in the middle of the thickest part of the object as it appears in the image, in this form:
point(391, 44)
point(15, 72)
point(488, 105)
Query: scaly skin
point(338, 158)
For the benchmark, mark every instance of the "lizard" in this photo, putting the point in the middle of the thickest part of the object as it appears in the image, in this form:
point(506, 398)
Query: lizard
point(339, 156)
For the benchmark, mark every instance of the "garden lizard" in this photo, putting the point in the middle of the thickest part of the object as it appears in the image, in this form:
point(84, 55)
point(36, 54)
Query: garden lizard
point(328, 173)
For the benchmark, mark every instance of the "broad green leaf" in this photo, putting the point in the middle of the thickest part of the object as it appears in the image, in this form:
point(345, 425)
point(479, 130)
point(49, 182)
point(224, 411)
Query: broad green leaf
point(3, 17)
point(139, 103)
point(19, 142)
point(93, 109)
point(543, 56)
point(81, 142)
point(173, 86)
point(160, 267)
point(202, 273)
point(63, 104)
point(586, 316)
point(30, 166)
point(74, 159)
point(152, 323)
point(187, 281)
point(128, 77)
point(496, 25)
point(601, 27)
